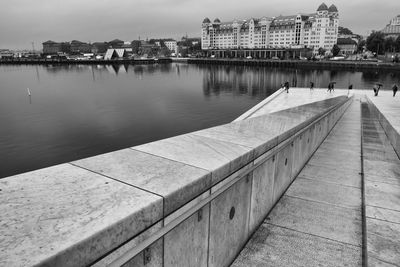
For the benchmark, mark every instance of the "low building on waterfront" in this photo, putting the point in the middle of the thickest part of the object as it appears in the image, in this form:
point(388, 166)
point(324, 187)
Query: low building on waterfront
point(393, 28)
point(347, 46)
point(315, 30)
point(80, 47)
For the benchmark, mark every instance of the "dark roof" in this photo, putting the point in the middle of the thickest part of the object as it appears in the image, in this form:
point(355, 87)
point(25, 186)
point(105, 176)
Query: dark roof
point(116, 41)
point(50, 42)
point(217, 20)
point(322, 7)
point(333, 8)
point(206, 20)
point(344, 41)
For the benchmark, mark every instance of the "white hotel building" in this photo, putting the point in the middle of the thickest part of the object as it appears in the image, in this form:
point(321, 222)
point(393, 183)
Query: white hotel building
point(313, 31)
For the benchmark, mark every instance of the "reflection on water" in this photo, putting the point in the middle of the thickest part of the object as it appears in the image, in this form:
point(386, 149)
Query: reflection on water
point(76, 111)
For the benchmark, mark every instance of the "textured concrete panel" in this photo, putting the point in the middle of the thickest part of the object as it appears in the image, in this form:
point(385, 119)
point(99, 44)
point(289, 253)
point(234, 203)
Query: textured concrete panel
point(328, 193)
point(283, 170)
point(262, 192)
point(187, 244)
point(380, 168)
point(336, 223)
point(383, 240)
point(229, 223)
point(276, 246)
point(372, 262)
point(299, 155)
point(151, 257)
point(220, 157)
point(155, 249)
point(382, 195)
point(47, 211)
point(178, 183)
point(383, 214)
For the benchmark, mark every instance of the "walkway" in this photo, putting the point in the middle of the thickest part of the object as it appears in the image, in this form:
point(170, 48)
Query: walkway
point(320, 219)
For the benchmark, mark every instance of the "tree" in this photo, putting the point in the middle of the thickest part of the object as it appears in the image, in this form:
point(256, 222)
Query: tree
point(361, 46)
point(397, 44)
point(376, 42)
point(321, 51)
point(345, 31)
point(390, 44)
point(335, 50)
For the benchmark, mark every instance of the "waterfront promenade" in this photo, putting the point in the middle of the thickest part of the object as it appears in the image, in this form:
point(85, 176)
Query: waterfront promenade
point(314, 175)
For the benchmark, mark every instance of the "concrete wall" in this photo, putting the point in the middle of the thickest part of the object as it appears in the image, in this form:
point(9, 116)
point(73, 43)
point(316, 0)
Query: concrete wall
point(189, 200)
point(214, 230)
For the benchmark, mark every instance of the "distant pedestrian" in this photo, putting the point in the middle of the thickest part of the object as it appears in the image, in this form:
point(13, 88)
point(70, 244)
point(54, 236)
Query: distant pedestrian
point(330, 87)
point(350, 86)
point(311, 86)
point(376, 88)
point(286, 85)
point(395, 88)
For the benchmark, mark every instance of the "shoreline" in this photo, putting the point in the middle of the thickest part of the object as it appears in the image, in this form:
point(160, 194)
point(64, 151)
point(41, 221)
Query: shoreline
point(346, 65)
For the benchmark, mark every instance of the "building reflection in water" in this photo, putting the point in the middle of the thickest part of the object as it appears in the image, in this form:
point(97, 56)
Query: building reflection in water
point(249, 80)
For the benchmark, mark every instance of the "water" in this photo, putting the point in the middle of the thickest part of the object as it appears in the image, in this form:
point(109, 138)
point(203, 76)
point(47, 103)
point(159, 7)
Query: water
point(79, 111)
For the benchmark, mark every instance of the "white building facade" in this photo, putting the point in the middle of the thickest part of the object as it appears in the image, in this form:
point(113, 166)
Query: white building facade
point(314, 30)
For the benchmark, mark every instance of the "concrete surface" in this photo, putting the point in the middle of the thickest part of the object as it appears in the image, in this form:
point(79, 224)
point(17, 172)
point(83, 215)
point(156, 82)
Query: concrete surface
point(318, 221)
point(382, 184)
point(65, 215)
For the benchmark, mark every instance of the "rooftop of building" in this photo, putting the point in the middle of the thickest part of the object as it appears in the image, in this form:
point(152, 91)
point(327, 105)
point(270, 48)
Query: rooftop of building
point(346, 41)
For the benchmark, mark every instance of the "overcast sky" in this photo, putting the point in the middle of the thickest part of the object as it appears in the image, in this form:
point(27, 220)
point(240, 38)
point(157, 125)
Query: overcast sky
point(26, 21)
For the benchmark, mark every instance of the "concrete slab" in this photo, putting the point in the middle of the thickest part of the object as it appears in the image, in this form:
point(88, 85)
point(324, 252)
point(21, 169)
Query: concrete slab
point(220, 157)
point(154, 257)
point(277, 246)
point(332, 175)
point(70, 216)
point(383, 214)
point(229, 218)
point(187, 244)
point(381, 168)
point(335, 223)
point(156, 250)
point(176, 182)
point(296, 97)
point(372, 262)
point(382, 195)
point(283, 170)
point(262, 192)
point(328, 193)
point(383, 241)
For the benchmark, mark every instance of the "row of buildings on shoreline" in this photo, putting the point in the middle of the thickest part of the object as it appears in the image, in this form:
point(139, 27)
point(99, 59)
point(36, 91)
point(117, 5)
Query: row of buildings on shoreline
point(119, 48)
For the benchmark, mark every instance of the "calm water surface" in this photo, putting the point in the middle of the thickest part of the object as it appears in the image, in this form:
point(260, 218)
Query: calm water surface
point(79, 111)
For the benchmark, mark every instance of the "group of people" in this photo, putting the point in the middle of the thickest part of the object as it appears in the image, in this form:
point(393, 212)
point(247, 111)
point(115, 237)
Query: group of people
point(378, 86)
point(331, 87)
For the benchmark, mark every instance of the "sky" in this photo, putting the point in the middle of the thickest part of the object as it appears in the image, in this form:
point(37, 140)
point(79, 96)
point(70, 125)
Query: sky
point(25, 21)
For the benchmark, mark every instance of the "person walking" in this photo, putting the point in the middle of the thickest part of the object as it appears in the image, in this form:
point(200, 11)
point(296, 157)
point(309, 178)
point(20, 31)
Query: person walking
point(330, 87)
point(395, 88)
point(311, 86)
point(376, 88)
point(286, 87)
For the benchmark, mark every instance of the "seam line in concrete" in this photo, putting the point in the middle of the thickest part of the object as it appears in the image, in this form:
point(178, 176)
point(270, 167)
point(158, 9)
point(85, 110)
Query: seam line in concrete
point(326, 182)
point(325, 203)
point(385, 261)
point(374, 206)
point(154, 155)
point(118, 180)
point(294, 230)
point(382, 220)
point(363, 211)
